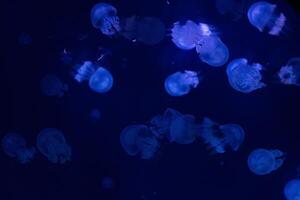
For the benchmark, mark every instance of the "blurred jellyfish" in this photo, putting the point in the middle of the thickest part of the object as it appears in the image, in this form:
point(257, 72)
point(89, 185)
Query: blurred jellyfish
point(14, 145)
point(104, 17)
point(25, 39)
point(107, 183)
point(292, 190)
point(244, 77)
point(100, 79)
point(264, 16)
point(66, 57)
point(263, 161)
point(290, 73)
point(232, 8)
point(51, 143)
point(138, 140)
point(180, 83)
point(95, 114)
point(51, 85)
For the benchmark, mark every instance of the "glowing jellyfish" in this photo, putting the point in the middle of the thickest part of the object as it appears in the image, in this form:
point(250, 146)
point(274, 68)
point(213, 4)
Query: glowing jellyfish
point(180, 83)
point(100, 79)
point(51, 143)
point(265, 17)
point(263, 161)
point(244, 77)
point(104, 17)
point(14, 145)
point(138, 140)
point(292, 190)
point(290, 73)
point(232, 8)
point(51, 85)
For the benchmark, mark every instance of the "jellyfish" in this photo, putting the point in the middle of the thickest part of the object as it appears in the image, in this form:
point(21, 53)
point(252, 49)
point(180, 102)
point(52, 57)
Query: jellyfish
point(244, 77)
point(100, 79)
point(107, 183)
point(95, 114)
point(290, 73)
point(265, 17)
point(263, 161)
point(25, 39)
point(51, 85)
point(292, 190)
point(104, 17)
point(180, 83)
point(52, 144)
point(232, 8)
point(138, 140)
point(14, 145)
point(234, 135)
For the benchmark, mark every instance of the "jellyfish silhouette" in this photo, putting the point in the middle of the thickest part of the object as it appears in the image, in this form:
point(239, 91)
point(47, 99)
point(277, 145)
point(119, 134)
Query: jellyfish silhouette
point(100, 79)
point(104, 17)
point(52, 144)
point(138, 140)
point(232, 8)
point(292, 190)
point(263, 161)
point(180, 83)
point(14, 145)
point(290, 73)
point(265, 17)
point(244, 77)
point(51, 85)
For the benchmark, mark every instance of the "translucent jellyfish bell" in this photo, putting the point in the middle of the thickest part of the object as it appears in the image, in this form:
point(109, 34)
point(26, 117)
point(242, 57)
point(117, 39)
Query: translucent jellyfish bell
point(234, 135)
point(292, 190)
point(244, 77)
point(263, 161)
point(180, 83)
point(290, 73)
point(51, 85)
point(51, 143)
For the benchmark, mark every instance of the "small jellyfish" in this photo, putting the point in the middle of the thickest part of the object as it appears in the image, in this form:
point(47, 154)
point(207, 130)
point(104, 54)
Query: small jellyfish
point(25, 39)
point(265, 17)
point(14, 145)
point(51, 85)
point(138, 140)
point(95, 114)
point(104, 17)
point(244, 77)
point(51, 143)
point(234, 135)
point(263, 161)
point(290, 73)
point(66, 57)
point(107, 183)
point(180, 83)
point(292, 190)
point(231, 8)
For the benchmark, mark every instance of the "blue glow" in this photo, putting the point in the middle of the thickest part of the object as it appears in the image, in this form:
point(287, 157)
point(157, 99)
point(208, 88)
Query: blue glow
point(290, 73)
point(234, 135)
point(292, 190)
point(51, 85)
point(107, 183)
point(232, 8)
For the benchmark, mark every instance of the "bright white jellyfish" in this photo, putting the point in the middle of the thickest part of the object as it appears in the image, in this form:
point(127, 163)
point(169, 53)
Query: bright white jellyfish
point(100, 79)
point(244, 77)
point(14, 145)
point(290, 73)
point(104, 17)
point(51, 85)
point(51, 143)
point(263, 161)
point(180, 83)
point(292, 190)
point(264, 16)
point(138, 140)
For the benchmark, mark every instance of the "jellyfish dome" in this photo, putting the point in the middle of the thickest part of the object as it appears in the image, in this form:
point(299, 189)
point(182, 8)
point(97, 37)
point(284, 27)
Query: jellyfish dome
point(290, 73)
point(180, 83)
point(292, 190)
point(138, 140)
point(51, 85)
point(14, 145)
point(234, 135)
point(104, 17)
point(52, 144)
point(244, 77)
point(263, 161)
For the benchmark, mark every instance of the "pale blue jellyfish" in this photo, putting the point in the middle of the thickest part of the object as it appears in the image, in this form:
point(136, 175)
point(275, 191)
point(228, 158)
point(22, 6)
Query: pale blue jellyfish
point(290, 73)
point(244, 77)
point(100, 79)
point(263, 161)
point(292, 190)
point(14, 145)
point(51, 143)
point(138, 140)
point(51, 85)
point(264, 17)
point(180, 83)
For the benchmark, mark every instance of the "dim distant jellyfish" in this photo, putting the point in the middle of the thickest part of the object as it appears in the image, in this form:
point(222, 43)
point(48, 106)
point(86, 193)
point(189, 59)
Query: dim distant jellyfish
point(14, 145)
point(232, 8)
point(263, 161)
point(107, 183)
point(265, 17)
point(66, 57)
point(100, 79)
point(244, 77)
point(180, 83)
point(290, 73)
point(51, 143)
point(104, 17)
point(95, 114)
point(292, 190)
point(138, 140)
point(51, 85)
point(25, 39)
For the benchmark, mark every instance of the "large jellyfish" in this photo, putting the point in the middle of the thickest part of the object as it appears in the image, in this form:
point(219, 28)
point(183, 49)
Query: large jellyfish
point(232, 8)
point(265, 17)
point(263, 161)
point(104, 17)
point(138, 140)
point(180, 83)
point(51, 143)
point(244, 77)
point(100, 79)
point(290, 73)
point(51, 85)
point(292, 190)
point(14, 145)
